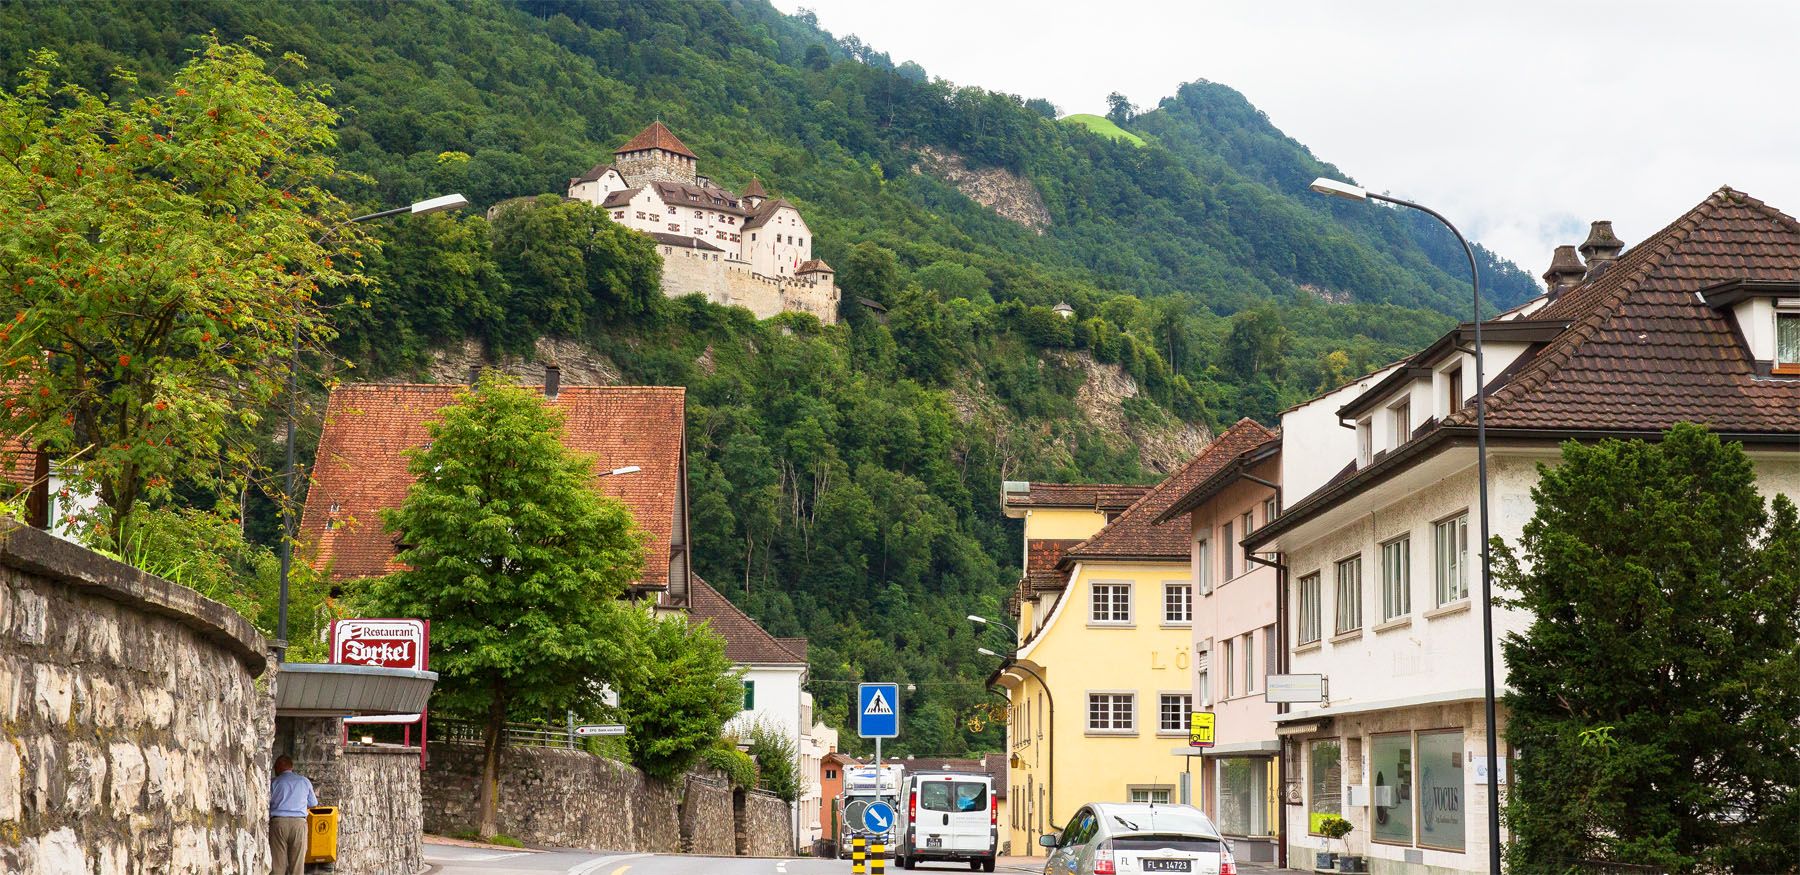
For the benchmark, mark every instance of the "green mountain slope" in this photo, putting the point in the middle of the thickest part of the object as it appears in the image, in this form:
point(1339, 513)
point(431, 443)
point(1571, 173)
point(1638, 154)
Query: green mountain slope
point(845, 479)
point(1103, 126)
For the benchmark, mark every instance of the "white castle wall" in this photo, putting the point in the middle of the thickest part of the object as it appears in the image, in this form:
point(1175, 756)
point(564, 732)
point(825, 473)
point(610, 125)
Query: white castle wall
point(732, 283)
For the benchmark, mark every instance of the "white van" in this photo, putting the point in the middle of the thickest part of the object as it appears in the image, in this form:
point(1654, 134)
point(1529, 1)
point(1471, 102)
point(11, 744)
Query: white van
point(951, 816)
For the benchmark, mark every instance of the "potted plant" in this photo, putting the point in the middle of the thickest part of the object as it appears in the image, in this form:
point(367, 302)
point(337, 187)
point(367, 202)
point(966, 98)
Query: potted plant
point(1333, 827)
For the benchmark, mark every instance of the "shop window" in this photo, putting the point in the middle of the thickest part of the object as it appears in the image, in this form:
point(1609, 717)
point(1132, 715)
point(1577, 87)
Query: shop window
point(1390, 790)
point(1441, 790)
point(1244, 799)
point(1450, 559)
point(1396, 579)
point(1325, 783)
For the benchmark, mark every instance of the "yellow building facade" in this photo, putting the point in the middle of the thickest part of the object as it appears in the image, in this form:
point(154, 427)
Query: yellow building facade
point(1101, 681)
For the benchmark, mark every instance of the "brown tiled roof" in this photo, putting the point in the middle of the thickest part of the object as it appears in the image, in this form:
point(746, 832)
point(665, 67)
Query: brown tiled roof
point(656, 136)
point(682, 241)
point(745, 642)
point(679, 194)
point(1042, 554)
point(1643, 351)
point(764, 213)
point(595, 172)
point(621, 197)
point(361, 468)
point(1134, 535)
point(813, 264)
point(1097, 496)
point(755, 188)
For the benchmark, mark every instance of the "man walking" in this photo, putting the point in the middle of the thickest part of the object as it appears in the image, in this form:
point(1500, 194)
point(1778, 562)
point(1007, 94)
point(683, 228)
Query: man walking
point(290, 794)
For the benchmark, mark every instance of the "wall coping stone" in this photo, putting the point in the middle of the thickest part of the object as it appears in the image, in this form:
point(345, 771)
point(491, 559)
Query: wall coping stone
point(41, 553)
point(357, 749)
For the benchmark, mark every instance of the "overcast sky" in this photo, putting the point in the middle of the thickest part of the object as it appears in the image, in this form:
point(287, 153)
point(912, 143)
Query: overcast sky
point(1521, 120)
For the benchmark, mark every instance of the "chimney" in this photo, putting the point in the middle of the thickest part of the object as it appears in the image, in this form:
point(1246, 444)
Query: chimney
point(1601, 248)
point(552, 380)
point(1565, 271)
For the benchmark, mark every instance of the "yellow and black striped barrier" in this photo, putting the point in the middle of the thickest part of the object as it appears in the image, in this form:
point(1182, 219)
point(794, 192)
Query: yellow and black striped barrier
point(859, 854)
point(878, 858)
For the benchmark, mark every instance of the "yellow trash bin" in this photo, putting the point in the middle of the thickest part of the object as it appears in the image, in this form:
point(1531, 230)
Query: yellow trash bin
point(321, 834)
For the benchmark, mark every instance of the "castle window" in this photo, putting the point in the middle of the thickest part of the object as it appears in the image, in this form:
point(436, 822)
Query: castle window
point(674, 226)
point(671, 211)
point(697, 214)
point(753, 238)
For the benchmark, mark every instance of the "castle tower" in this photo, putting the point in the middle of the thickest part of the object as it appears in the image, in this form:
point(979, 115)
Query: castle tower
point(754, 194)
point(656, 155)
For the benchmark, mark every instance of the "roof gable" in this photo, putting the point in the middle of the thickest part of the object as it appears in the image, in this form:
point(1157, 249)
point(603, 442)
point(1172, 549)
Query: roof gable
point(1135, 534)
point(746, 643)
point(362, 466)
point(656, 136)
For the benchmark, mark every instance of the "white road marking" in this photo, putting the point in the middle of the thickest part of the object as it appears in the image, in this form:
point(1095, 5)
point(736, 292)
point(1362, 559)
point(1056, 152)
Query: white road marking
point(592, 866)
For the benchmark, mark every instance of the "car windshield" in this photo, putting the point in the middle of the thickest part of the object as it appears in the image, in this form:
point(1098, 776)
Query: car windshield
point(953, 796)
point(1163, 821)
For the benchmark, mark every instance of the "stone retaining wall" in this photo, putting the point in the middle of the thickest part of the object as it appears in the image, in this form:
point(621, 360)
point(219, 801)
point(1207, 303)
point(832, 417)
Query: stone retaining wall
point(375, 788)
point(707, 824)
point(133, 733)
point(766, 825)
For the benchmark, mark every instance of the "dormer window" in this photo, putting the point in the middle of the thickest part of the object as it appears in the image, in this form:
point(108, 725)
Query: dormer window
point(1787, 339)
point(1402, 418)
point(1365, 443)
point(1453, 385)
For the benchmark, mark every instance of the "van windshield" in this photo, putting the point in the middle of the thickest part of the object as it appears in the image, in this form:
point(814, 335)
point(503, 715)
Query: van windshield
point(953, 796)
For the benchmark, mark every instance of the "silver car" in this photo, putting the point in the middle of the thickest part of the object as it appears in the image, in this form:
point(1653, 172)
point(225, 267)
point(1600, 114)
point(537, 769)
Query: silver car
point(1118, 838)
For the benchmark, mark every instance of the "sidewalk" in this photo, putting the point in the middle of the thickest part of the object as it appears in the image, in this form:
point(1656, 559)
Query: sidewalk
point(1036, 864)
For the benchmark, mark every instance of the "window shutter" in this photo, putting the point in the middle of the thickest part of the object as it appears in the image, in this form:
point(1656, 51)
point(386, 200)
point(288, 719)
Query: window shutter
point(749, 695)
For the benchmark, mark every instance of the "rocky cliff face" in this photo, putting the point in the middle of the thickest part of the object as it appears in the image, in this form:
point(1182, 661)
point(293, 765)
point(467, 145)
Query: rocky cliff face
point(1006, 193)
point(1163, 443)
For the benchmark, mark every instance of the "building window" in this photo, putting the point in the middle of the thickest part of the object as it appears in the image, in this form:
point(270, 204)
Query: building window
point(1396, 579)
point(1249, 663)
point(830, 773)
point(1244, 796)
point(1112, 712)
point(671, 211)
point(1230, 663)
point(1227, 550)
point(1309, 615)
point(749, 695)
point(1247, 522)
point(1172, 712)
point(1325, 783)
point(1178, 602)
point(1402, 414)
point(1390, 790)
point(1441, 790)
point(1203, 681)
point(1450, 559)
point(1365, 443)
point(1271, 509)
point(1349, 594)
point(1787, 342)
point(1203, 566)
point(1155, 795)
point(1111, 603)
point(1453, 385)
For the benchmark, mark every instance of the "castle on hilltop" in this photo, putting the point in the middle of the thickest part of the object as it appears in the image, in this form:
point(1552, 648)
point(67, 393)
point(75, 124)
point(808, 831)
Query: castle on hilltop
point(752, 251)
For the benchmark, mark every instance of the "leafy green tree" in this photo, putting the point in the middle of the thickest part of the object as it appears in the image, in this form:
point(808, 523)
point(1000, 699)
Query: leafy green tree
point(1119, 108)
point(517, 561)
point(1653, 697)
point(163, 256)
point(870, 271)
point(568, 266)
point(777, 760)
point(1257, 343)
point(678, 696)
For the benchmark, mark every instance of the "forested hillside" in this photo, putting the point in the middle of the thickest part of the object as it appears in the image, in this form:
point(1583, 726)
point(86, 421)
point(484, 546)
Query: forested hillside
point(847, 476)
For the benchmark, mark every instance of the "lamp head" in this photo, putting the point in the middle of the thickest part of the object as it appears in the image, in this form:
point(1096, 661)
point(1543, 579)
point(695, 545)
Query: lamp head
point(975, 619)
point(628, 469)
point(1339, 189)
point(985, 652)
point(440, 204)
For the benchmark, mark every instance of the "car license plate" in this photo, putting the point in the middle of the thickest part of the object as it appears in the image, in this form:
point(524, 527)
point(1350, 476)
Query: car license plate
point(1168, 865)
point(934, 841)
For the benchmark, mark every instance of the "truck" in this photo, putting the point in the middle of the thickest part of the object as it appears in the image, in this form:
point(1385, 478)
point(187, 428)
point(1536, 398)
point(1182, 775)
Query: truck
point(864, 785)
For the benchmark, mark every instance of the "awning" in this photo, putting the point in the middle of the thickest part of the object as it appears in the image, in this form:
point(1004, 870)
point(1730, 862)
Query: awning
point(320, 689)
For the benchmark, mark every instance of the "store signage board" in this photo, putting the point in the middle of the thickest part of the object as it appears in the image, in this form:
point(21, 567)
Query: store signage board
point(1295, 688)
point(388, 643)
point(1202, 728)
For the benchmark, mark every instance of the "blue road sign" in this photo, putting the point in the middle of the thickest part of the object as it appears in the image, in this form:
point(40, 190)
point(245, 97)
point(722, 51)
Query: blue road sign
point(878, 710)
point(878, 817)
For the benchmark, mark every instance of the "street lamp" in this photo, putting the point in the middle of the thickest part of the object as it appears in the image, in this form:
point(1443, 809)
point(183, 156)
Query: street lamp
point(1347, 191)
point(434, 205)
point(628, 469)
point(1049, 717)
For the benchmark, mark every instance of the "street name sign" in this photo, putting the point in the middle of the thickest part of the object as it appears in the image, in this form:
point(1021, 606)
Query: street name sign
point(600, 729)
point(1294, 688)
point(878, 817)
point(878, 710)
point(1201, 728)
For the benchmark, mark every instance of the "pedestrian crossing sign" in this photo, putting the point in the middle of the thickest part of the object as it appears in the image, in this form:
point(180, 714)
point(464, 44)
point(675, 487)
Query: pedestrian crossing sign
point(878, 710)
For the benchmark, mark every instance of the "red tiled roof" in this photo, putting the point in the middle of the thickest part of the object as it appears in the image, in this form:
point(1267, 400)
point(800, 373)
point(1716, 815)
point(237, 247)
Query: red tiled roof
point(1097, 496)
point(621, 197)
point(1643, 351)
point(755, 188)
point(767, 211)
point(1134, 535)
point(677, 194)
point(595, 172)
point(745, 642)
point(361, 467)
point(814, 264)
point(656, 136)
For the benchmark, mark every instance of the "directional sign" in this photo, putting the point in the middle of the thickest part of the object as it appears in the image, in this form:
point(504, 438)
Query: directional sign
point(1293, 688)
point(878, 710)
point(878, 817)
point(1201, 726)
point(600, 729)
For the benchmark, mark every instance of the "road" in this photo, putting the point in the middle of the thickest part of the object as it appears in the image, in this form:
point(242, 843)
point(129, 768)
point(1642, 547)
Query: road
point(454, 860)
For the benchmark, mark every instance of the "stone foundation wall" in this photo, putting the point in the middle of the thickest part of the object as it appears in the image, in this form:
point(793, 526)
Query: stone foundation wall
point(686, 271)
point(133, 732)
point(374, 787)
point(766, 825)
point(707, 824)
point(554, 797)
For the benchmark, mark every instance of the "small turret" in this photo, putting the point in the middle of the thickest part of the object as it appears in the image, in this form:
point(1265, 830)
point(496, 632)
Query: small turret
point(754, 194)
point(1565, 271)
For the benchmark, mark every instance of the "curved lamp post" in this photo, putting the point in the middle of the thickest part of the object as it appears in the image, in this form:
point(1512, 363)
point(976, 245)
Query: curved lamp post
point(434, 205)
point(1347, 191)
point(1050, 717)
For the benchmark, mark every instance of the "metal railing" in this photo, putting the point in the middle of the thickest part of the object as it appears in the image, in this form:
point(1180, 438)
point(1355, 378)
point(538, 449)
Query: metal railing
point(517, 734)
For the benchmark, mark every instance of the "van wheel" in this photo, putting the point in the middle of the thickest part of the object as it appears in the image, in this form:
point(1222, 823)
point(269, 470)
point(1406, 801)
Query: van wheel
point(988, 865)
point(909, 862)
